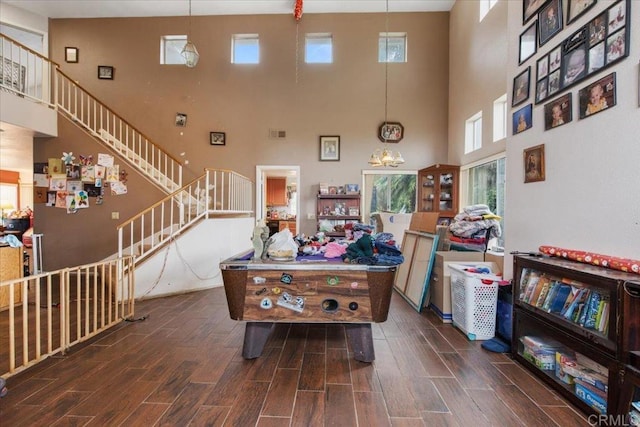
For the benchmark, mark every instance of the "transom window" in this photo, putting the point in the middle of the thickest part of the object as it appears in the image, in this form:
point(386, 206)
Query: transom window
point(245, 49)
point(318, 48)
point(473, 133)
point(500, 118)
point(171, 49)
point(392, 47)
point(485, 7)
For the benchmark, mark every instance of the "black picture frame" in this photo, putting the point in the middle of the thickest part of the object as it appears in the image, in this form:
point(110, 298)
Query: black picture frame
point(542, 89)
point(577, 8)
point(217, 138)
point(530, 8)
point(105, 72)
point(522, 119)
point(390, 132)
point(597, 29)
point(71, 54)
point(528, 45)
point(542, 67)
point(181, 120)
point(330, 148)
point(597, 96)
point(574, 59)
point(550, 21)
point(521, 84)
point(558, 112)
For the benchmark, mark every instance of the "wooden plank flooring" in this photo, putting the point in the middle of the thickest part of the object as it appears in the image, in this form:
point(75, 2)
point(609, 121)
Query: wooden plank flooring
point(183, 366)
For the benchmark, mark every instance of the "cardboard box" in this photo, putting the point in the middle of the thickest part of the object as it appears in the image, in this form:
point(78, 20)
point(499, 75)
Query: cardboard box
point(424, 221)
point(440, 282)
point(496, 257)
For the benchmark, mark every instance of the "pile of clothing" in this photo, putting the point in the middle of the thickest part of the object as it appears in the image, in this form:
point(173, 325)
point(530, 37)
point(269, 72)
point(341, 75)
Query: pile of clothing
point(472, 228)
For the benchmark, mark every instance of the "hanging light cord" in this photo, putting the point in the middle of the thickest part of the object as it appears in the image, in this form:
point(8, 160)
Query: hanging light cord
point(386, 63)
point(189, 36)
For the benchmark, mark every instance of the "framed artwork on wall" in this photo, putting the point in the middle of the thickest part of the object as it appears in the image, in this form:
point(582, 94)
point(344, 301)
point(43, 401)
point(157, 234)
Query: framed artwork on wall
point(330, 148)
point(522, 119)
point(105, 72)
point(534, 169)
point(521, 87)
point(577, 8)
point(528, 43)
point(217, 138)
point(530, 8)
point(558, 112)
point(71, 54)
point(598, 96)
point(549, 20)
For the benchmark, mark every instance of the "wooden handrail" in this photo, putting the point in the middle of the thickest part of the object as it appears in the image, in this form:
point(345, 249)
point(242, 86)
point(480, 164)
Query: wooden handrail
point(30, 50)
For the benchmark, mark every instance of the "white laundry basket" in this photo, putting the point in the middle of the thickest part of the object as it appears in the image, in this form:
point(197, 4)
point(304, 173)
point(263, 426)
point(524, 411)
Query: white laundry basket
point(474, 297)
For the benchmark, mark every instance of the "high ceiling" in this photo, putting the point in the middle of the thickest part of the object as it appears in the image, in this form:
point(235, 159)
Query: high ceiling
point(141, 8)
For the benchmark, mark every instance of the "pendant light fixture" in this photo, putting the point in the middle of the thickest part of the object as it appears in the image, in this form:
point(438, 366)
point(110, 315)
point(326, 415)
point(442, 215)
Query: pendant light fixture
point(385, 157)
point(189, 51)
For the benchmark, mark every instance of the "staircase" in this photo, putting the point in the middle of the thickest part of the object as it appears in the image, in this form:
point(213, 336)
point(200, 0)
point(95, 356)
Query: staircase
point(216, 193)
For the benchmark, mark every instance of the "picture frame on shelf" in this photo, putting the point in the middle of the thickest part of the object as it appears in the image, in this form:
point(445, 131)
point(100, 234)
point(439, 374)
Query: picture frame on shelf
point(71, 54)
point(522, 119)
point(217, 138)
point(558, 112)
point(354, 211)
point(528, 44)
point(330, 149)
point(105, 72)
point(530, 9)
point(598, 96)
point(352, 188)
point(534, 167)
point(391, 132)
point(521, 87)
point(577, 8)
point(549, 21)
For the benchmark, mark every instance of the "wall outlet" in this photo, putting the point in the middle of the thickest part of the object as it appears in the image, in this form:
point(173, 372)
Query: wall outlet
point(115, 215)
point(311, 216)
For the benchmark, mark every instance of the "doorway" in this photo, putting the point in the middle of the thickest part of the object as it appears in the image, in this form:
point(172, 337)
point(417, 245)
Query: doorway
point(292, 175)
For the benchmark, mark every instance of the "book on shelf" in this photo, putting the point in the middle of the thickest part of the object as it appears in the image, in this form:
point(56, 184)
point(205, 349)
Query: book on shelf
point(560, 298)
point(553, 290)
point(577, 300)
point(541, 291)
point(528, 282)
point(573, 292)
point(592, 310)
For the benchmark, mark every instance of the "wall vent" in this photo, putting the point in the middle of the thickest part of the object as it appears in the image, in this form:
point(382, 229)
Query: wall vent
point(277, 134)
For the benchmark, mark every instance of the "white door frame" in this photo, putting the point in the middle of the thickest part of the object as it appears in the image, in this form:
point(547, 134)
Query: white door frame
point(261, 188)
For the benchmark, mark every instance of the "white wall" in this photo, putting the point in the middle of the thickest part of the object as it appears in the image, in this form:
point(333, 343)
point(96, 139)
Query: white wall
point(590, 199)
point(191, 262)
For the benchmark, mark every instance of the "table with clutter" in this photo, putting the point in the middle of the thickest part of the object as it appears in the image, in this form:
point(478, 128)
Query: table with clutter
point(317, 279)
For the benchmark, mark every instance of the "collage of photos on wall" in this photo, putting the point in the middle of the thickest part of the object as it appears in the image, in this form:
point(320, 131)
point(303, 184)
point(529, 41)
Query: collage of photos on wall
point(594, 46)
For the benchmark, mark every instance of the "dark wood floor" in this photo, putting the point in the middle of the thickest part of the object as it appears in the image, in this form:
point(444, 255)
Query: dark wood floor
point(183, 366)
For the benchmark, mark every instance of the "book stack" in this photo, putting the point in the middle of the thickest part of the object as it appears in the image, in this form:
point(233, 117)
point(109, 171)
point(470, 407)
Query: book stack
point(572, 300)
point(540, 352)
point(589, 379)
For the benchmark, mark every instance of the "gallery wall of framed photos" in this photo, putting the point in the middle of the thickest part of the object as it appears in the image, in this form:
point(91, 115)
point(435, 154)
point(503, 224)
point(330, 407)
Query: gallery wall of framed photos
point(591, 48)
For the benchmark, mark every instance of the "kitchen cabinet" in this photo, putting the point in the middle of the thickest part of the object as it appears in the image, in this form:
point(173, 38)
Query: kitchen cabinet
point(571, 329)
point(11, 267)
point(291, 225)
point(338, 210)
point(277, 191)
point(438, 190)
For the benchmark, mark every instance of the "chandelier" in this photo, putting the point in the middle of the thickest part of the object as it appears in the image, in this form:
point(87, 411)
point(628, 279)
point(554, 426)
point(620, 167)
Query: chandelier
point(385, 157)
point(189, 51)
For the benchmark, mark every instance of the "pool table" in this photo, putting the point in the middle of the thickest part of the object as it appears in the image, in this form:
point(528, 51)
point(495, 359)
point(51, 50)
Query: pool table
point(307, 290)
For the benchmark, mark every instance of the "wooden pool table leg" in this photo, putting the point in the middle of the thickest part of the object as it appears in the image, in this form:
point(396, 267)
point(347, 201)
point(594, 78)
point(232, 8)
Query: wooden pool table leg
point(361, 340)
point(255, 337)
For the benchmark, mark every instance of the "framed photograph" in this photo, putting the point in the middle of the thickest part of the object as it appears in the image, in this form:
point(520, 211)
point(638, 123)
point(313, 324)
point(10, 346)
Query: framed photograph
point(542, 67)
point(554, 83)
point(522, 119)
point(530, 8)
point(181, 119)
point(354, 211)
point(71, 54)
point(616, 46)
point(550, 20)
point(542, 90)
point(554, 58)
point(617, 17)
point(598, 96)
point(105, 72)
point(390, 132)
point(596, 58)
point(528, 43)
point(521, 87)
point(574, 65)
point(597, 29)
point(217, 138)
point(558, 112)
point(330, 149)
point(352, 188)
point(577, 8)
point(534, 163)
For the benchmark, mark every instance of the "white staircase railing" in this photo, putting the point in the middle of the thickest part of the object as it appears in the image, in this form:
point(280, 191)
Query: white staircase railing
point(216, 193)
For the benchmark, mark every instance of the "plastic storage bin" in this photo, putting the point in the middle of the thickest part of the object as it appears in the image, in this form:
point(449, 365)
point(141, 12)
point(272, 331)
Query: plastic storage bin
point(474, 298)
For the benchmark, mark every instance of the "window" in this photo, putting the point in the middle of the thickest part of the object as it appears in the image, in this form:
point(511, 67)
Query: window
point(171, 50)
point(245, 49)
point(500, 118)
point(473, 133)
point(318, 48)
point(485, 7)
point(485, 183)
point(392, 47)
point(390, 191)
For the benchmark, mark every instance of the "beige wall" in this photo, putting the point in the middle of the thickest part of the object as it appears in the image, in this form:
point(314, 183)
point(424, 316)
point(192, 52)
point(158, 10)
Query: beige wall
point(345, 98)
